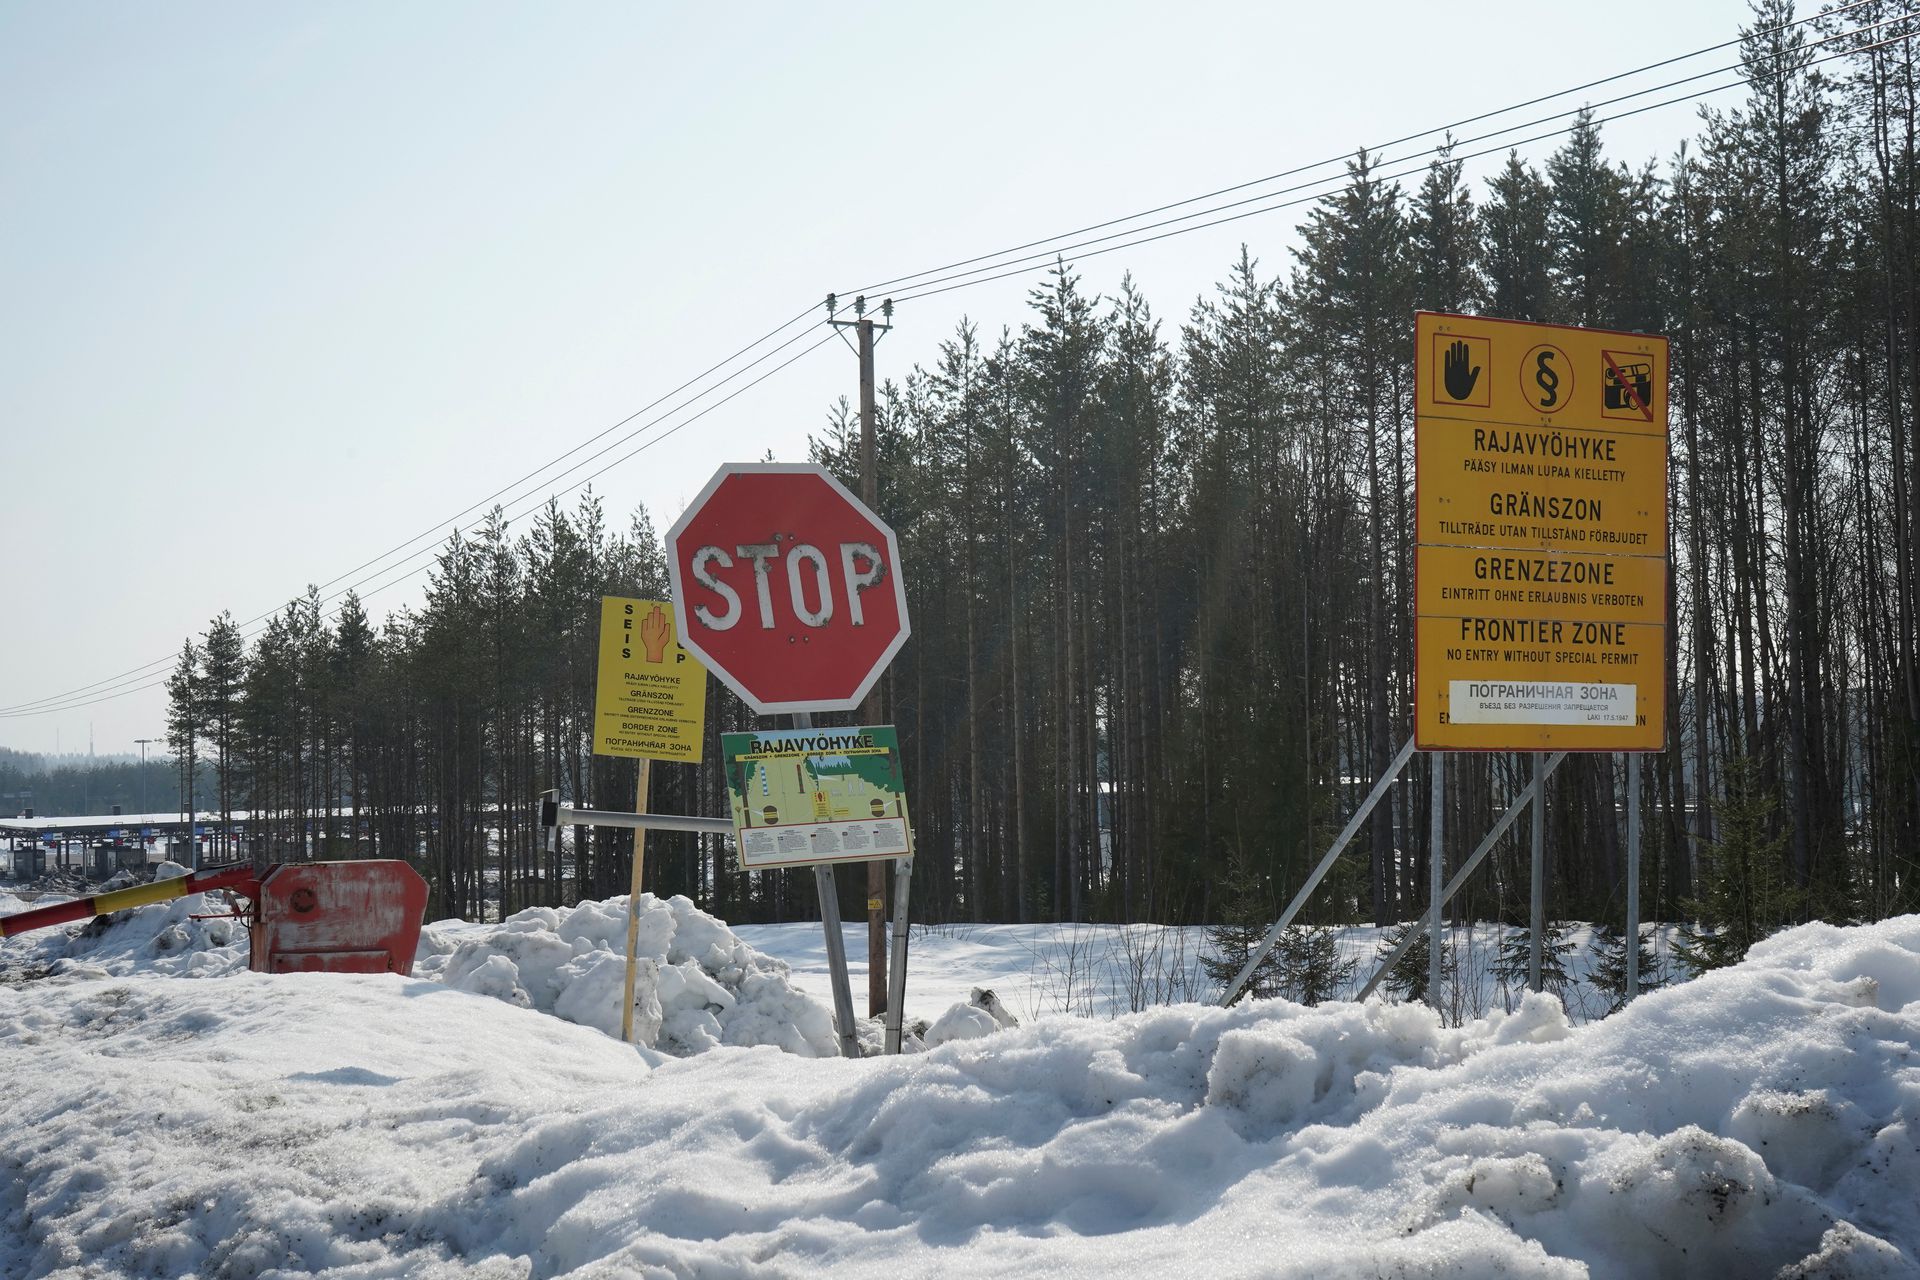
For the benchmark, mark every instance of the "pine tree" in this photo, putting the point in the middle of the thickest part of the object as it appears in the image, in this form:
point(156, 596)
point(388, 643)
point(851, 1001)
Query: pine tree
point(1587, 222)
point(1556, 947)
point(1408, 978)
point(1351, 293)
point(1246, 917)
point(1515, 224)
point(1745, 889)
point(223, 668)
point(1609, 972)
point(1443, 231)
point(1310, 968)
point(353, 647)
point(185, 723)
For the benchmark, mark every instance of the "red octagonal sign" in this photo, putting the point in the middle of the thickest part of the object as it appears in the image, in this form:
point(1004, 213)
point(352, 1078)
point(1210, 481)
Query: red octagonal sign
point(787, 587)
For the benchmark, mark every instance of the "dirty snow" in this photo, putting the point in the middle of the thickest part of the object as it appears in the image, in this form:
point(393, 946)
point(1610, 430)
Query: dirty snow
point(1760, 1121)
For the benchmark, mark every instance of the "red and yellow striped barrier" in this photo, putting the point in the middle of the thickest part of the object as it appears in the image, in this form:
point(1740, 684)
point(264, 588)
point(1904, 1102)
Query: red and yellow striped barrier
point(241, 878)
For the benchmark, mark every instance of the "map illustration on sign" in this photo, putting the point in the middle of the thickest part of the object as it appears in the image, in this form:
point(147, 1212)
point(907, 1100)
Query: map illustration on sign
point(1540, 532)
point(806, 796)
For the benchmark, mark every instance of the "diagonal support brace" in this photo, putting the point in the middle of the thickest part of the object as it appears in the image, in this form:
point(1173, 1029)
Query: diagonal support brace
point(1319, 873)
point(1418, 930)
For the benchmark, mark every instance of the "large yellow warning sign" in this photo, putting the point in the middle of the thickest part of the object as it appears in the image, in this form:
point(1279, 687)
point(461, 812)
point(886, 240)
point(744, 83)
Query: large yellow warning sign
point(651, 695)
point(1541, 536)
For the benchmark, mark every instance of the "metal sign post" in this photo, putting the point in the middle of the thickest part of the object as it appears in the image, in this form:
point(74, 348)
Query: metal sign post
point(1633, 878)
point(897, 975)
point(836, 940)
point(1436, 867)
point(1537, 891)
point(1419, 927)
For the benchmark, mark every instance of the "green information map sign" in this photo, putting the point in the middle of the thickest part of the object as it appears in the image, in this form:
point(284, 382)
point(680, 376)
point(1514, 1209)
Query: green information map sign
point(807, 796)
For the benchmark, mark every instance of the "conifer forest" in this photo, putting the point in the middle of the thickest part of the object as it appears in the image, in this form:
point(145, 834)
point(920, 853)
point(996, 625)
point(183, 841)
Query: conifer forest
point(1159, 564)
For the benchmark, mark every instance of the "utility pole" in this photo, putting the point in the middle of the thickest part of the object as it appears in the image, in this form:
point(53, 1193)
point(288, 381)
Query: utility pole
point(143, 771)
point(873, 710)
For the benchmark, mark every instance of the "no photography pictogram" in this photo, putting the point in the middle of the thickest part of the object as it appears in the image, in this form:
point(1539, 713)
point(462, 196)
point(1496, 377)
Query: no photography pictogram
point(1626, 386)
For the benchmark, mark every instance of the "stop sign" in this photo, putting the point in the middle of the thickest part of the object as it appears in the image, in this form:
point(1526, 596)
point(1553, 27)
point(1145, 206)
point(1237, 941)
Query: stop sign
point(787, 587)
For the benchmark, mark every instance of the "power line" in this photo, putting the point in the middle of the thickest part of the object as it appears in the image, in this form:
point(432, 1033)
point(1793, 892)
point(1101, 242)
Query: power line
point(109, 688)
point(585, 480)
point(1342, 158)
point(107, 696)
point(136, 673)
point(1317, 186)
point(1031, 266)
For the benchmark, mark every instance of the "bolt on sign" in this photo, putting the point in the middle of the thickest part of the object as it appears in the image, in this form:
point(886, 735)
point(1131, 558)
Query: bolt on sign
point(1540, 560)
point(650, 699)
point(802, 797)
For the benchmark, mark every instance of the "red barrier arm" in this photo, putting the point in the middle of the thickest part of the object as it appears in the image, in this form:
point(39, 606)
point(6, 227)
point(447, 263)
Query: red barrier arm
point(240, 878)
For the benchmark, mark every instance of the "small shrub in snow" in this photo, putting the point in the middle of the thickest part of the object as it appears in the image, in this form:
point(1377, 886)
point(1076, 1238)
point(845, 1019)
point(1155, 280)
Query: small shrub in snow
point(1246, 915)
point(1609, 948)
point(1556, 948)
point(1408, 979)
point(1311, 970)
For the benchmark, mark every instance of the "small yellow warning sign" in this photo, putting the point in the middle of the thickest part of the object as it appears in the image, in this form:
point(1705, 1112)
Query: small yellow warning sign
point(651, 696)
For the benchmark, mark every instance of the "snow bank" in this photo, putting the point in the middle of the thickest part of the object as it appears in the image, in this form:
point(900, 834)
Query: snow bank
point(1761, 1121)
point(162, 938)
point(256, 1126)
point(699, 986)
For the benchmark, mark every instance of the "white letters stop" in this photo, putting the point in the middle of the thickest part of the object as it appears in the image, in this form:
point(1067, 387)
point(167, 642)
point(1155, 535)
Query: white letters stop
point(808, 577)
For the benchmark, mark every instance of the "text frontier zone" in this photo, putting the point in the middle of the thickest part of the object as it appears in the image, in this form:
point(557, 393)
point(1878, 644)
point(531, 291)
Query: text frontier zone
point(1542, 631)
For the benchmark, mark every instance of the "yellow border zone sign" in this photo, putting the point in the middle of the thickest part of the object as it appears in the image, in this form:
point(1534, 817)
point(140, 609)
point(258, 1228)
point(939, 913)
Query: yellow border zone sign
point(1540, 530)
point(650, 698)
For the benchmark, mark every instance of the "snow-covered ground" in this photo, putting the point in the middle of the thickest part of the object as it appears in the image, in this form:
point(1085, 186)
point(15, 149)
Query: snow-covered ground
point(168, 1113)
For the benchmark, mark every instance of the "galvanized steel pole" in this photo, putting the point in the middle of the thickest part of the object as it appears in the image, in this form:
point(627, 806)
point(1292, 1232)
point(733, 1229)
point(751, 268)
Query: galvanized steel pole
point(1436, 878)
point(1537, 907)
point(1633, 876)
point(897, 990)
point(836, 940)
point(1417, 930)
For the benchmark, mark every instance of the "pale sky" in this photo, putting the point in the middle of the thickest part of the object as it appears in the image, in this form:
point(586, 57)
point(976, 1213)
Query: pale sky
point(283, 285)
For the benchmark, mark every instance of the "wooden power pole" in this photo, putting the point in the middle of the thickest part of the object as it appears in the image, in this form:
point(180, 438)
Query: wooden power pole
point(874, 709)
